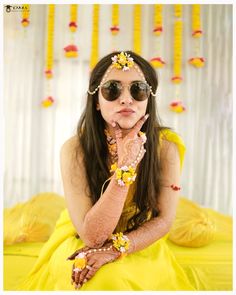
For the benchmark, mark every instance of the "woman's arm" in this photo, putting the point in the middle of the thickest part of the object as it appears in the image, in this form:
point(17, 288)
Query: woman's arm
point(157, 227)
point(93, 223)
point(151, 230)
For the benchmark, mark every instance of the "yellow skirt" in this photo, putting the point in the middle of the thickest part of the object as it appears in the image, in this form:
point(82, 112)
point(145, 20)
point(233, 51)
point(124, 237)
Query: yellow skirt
point(154, 268)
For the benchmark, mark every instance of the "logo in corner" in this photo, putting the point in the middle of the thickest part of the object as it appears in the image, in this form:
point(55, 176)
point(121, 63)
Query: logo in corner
point(8, 8)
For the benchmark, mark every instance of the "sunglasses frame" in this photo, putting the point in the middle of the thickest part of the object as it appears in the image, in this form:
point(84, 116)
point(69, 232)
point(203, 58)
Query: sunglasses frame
point(123, 85)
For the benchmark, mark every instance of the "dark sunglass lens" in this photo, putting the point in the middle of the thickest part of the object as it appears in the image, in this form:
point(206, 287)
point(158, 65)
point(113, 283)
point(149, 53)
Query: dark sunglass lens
point(111, 90)
point(139, 91)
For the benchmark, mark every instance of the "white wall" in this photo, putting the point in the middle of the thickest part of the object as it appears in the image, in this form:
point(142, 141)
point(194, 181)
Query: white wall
point(33, 135)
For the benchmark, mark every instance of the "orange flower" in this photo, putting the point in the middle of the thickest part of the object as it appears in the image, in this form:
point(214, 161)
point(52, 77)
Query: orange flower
point(197, 62)
point(114, 30)
point(48, 73)
point(71, 51)
point(47, 102)
point(176, 79)
point(73, 26)
point(157, 62)
point(158, 30)
point(25, 22)
point(177, 107)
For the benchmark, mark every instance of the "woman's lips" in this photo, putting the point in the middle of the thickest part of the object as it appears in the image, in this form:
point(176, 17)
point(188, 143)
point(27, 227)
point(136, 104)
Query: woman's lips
point(126, 112)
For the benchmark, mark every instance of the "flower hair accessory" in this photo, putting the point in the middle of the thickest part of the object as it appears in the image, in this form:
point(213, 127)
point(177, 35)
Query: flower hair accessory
point(122, 61)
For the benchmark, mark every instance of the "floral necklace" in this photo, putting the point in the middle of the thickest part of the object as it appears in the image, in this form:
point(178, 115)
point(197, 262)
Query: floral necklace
point(112, 147)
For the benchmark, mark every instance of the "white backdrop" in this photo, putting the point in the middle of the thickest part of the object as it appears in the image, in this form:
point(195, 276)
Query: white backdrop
point(34, 135)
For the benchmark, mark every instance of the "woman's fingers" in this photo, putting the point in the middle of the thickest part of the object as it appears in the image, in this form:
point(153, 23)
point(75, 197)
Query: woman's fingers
point(137, 127)
point(117, 130)
point(72, 275)
point(91, 273)
point(84, 273)
point(76, 281)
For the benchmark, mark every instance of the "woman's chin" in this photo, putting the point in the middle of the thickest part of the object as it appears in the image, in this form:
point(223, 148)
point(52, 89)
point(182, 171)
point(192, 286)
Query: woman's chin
point(126, 125)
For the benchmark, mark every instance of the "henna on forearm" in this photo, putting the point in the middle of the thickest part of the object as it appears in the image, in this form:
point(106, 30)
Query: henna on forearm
point(148, 233)
point(102, 218)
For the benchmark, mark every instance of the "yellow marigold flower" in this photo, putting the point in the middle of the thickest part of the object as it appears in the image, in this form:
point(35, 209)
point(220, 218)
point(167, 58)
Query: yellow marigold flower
point(132, 171)
point(113, 167)
point(126, 176)
point(80, 263)
point(118, 173)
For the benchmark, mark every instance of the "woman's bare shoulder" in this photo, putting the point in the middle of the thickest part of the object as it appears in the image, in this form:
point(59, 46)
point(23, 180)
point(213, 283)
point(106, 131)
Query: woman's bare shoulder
point(71, 148)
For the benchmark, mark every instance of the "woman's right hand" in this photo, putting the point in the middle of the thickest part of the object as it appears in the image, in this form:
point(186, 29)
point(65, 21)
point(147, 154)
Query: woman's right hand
point(130, 149)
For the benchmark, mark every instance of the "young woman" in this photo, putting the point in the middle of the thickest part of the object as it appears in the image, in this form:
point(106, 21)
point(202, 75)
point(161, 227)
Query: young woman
point(121, 177)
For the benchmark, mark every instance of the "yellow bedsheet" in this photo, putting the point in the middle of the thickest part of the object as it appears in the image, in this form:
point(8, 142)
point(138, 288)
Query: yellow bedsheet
point(17, 262)
point(208, 267)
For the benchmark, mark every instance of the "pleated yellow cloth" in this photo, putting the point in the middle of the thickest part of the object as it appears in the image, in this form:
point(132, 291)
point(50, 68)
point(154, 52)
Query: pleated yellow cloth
point(154, 268)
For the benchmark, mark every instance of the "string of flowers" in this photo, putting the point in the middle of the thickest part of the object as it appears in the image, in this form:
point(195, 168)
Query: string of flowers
point(157, 61)
point(177, 105)
point(115, 20)
point(197, 60)
point(137, 28)
point(71, 50)
point(95, 35)
point(48, 101)
point(158, 27)
point(25, 15)
point(178, 27)
point(114, 29)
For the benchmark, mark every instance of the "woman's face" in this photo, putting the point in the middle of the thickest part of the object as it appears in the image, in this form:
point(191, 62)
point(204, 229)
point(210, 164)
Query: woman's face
point(125, 110)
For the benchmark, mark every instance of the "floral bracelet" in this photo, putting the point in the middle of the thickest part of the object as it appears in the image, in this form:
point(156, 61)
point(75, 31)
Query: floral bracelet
point(120, 242)
point(125, 175)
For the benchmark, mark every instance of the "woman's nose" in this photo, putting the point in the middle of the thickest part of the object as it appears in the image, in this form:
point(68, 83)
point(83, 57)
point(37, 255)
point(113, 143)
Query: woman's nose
point(125, 97)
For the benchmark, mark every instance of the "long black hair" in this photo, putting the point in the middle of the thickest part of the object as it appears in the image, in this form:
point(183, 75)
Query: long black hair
point(93, 142)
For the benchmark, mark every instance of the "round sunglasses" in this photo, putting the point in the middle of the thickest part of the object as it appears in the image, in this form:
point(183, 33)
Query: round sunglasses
point(112, 89)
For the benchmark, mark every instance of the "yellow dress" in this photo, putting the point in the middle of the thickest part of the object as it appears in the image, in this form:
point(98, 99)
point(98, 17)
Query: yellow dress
point(155, 268)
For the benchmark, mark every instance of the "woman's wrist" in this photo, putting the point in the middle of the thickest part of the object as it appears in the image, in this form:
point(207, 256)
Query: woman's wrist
point(124, 175)
point(117, 188)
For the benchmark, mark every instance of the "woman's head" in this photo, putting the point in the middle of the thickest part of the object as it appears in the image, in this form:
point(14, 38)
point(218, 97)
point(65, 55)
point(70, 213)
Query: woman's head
point(132, 91)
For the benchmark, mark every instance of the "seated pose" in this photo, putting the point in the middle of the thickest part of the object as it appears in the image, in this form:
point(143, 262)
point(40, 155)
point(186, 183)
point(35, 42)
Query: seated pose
point(121, 177)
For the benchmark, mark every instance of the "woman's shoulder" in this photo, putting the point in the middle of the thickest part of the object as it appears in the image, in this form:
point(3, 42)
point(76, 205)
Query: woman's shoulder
point(70, 147)
point(70, 143)
point(169, 138)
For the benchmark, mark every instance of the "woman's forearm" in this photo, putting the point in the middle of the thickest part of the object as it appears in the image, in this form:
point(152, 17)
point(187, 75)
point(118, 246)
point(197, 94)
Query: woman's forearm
point(148, 233)
point(102, 218)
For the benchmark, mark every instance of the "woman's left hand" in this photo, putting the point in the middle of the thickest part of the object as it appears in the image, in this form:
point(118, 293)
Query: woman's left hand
point(94, 261)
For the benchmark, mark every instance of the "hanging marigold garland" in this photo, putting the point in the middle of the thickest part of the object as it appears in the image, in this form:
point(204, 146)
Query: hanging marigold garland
point(95, 35)
point(115, 20)
point(177, 105)
point(158, 28)
point(114, 29)
point(157, 61)
point(48, 101)
point(71, 50)
point(196, 61)
point(25, 15)
point(137, 28)
point(178, 27)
